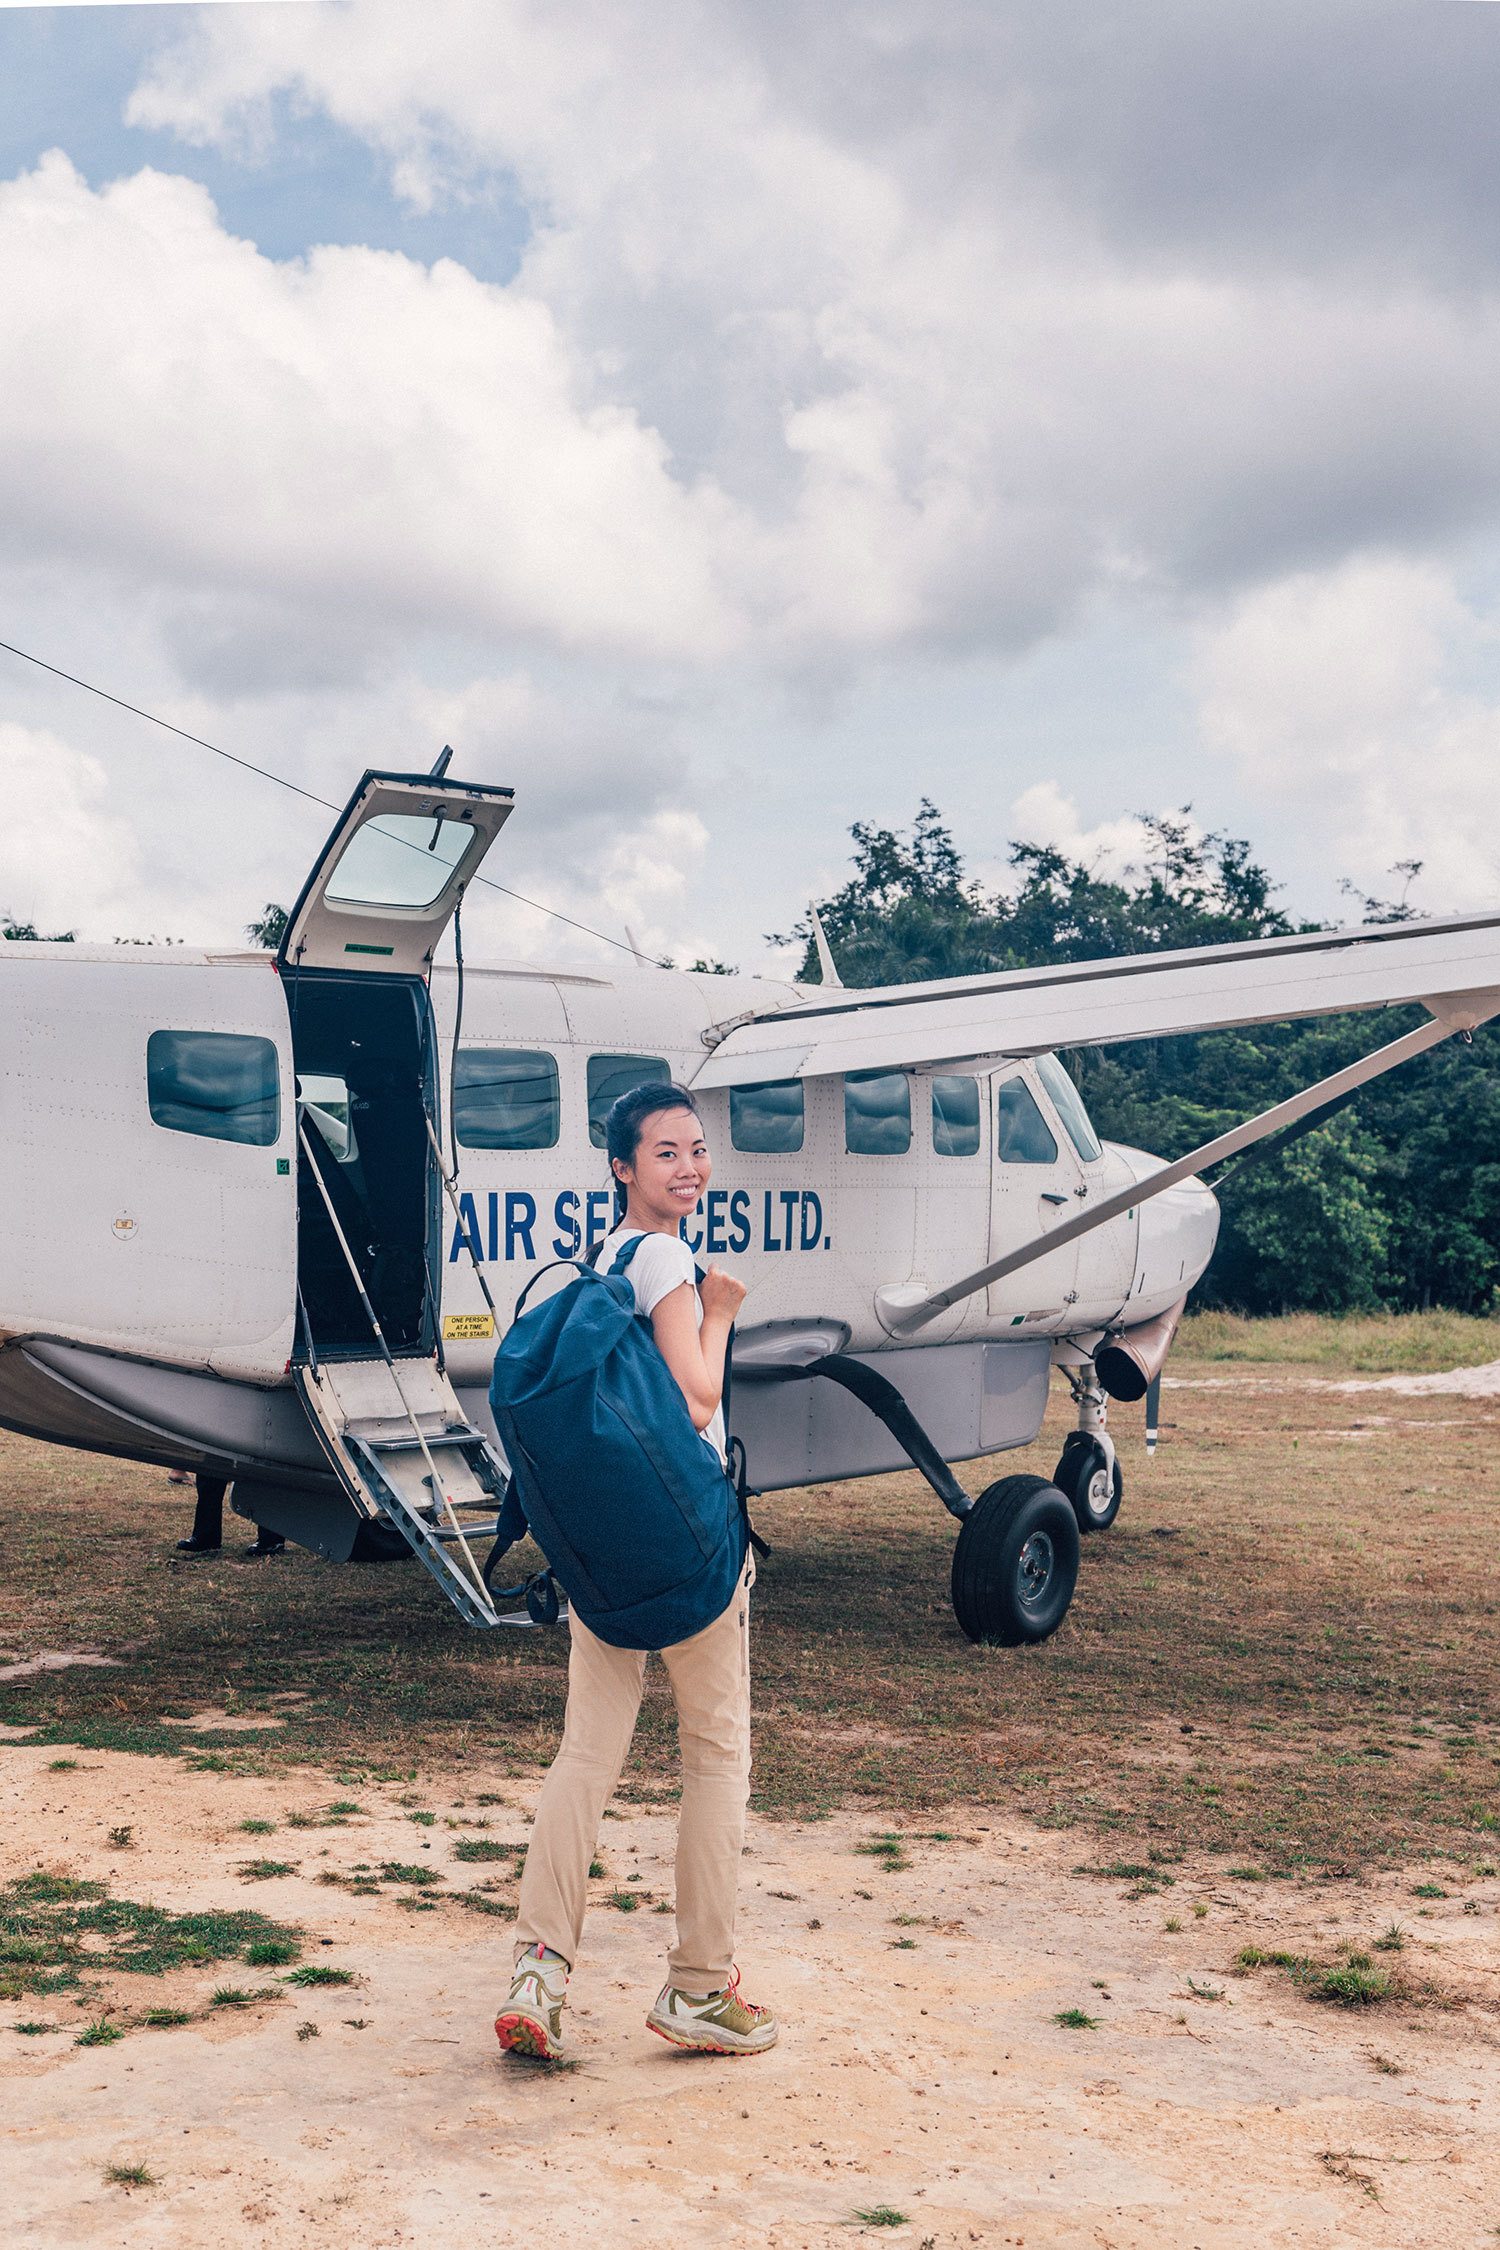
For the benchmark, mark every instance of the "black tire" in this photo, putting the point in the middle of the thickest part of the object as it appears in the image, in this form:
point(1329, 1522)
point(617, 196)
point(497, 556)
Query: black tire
point(1016, 1563)
point(379, 1542)
point(1083, 1477)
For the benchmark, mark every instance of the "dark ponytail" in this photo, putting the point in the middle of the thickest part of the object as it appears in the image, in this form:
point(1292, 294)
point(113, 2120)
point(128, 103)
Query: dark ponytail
point(622, 1126)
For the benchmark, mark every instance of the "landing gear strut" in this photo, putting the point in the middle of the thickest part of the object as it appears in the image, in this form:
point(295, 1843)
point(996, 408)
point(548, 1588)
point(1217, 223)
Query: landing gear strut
point(1088, 1472)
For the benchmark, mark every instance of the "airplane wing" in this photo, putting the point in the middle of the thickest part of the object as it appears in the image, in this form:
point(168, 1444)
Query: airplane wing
point(1452, 967)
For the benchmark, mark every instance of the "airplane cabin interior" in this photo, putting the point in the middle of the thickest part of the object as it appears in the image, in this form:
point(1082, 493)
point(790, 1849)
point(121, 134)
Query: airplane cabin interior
point(364, 1055)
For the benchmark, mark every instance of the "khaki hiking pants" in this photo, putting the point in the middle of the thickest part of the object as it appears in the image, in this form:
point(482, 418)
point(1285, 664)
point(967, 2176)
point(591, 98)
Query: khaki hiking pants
point(710, 1679)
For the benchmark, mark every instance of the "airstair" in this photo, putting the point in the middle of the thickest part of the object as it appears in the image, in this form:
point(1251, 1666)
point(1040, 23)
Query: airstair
point(401, 1447)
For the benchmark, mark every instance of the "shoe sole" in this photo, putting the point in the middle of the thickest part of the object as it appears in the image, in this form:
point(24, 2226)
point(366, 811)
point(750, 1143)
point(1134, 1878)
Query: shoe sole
point(678, 2037)
point(523, 2035)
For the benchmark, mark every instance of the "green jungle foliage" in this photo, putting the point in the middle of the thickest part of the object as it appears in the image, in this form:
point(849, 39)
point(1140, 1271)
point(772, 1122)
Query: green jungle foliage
point(11, 926)
point(270, 928)
point(1394, 1201)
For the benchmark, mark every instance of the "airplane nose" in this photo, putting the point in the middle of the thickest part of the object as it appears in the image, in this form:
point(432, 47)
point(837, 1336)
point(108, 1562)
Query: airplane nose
point(1175, 1239)
point(1178, 1231)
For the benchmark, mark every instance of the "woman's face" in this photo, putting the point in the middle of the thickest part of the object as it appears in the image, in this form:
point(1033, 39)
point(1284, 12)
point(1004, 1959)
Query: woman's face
point(671, 1167)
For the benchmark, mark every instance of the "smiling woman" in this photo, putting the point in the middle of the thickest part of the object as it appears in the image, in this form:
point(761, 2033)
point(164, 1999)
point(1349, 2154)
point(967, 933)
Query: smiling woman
point(659, 1561)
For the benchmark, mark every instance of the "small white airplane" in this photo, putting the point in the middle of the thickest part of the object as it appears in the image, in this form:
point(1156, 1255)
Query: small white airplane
point(261, 1217)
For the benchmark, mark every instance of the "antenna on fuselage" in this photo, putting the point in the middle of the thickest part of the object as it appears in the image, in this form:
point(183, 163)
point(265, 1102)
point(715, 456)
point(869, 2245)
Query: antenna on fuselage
point(825, 951)
point(445, 760)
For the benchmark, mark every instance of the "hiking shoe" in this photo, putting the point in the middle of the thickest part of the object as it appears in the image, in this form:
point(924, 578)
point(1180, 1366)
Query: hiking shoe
point(720, 2023)
point(530, 2023)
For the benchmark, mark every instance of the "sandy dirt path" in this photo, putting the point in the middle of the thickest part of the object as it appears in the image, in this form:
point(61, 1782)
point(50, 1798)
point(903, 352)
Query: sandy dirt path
point(920, 2068)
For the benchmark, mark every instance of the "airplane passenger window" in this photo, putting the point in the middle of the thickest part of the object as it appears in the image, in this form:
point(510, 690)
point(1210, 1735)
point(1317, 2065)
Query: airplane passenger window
point(505, 1097)
point(955, 1116)
point(1023, 1137)
point(610, 1076)
point(1068, 1103)
point(877, 1113)
point(224, 1085)
point(401, 859)
point(768, 1118)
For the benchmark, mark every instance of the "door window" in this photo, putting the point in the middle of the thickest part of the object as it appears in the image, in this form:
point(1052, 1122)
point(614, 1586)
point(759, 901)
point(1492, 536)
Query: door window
point(955, 1116)
point(400, 859)
point(610, 1076)
point(1068, 1103)
point(877, 1113)
point(224, 1085)
point(767, 1119)
point(505, 1097)
point(1022, 1136)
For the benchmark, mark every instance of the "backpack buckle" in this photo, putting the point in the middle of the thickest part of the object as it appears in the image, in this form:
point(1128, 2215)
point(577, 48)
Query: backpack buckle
point(541, 1598)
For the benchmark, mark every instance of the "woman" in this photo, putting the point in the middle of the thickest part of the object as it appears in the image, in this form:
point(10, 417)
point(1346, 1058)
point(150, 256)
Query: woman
point(661, 1168)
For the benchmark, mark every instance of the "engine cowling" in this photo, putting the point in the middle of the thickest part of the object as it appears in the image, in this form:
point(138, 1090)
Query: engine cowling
point(1177, 1233)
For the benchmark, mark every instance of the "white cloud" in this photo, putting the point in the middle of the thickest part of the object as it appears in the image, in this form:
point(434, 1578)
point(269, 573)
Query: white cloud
point(1113, 849)
point(644, 876)
point(826, 370)
point(1344, 699)
point(67, 862)
point(823, 257)
point(348, 444)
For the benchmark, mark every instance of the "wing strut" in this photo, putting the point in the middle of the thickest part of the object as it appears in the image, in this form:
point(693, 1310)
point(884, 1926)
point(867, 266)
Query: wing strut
point(905, 1307)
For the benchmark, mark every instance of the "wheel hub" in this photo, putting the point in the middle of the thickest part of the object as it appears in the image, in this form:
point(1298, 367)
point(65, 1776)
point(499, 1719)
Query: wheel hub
point(1034, 1567)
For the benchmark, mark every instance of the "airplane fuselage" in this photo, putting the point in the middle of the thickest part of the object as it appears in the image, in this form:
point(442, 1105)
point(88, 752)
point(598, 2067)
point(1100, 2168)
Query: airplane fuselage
point(149, 1291)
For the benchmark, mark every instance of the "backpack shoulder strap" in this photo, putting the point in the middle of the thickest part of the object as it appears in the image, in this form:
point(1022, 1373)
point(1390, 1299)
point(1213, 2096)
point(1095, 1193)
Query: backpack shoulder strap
point(536, 1277)
point(625, 1253)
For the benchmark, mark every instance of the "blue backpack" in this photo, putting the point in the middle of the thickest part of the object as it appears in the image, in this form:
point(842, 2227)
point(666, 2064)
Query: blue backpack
point(633, 1509)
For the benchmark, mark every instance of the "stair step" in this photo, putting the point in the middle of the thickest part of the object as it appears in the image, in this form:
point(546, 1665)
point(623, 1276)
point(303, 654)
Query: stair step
point(379, 1456)
point(436, 1441)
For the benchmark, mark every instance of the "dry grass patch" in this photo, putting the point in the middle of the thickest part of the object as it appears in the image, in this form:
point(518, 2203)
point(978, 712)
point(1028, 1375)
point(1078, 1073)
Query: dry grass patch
point(1284, 1653)
point(1426, 1343)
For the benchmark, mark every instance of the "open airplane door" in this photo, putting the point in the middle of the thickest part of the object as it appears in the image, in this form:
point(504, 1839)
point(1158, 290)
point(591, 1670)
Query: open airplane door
point(390, 878)
point(355, 961)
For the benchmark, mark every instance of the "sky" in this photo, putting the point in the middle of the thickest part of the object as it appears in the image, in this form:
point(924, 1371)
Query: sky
point(725, 421)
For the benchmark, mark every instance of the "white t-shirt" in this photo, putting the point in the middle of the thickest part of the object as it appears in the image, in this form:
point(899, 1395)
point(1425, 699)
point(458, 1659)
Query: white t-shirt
point(662, 1263)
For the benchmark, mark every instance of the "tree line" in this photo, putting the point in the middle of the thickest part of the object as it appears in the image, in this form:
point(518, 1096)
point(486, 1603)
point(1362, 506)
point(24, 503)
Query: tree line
point(1394, 1201)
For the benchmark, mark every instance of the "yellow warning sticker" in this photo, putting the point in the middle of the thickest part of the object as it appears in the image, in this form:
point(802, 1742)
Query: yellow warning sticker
point(467, 1327)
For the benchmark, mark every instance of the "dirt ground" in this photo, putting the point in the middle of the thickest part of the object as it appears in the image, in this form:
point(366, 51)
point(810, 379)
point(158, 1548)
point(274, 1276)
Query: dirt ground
point(921, 2070)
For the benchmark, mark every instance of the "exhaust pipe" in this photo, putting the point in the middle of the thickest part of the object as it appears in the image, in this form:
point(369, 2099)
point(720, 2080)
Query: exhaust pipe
point(1129, 1363)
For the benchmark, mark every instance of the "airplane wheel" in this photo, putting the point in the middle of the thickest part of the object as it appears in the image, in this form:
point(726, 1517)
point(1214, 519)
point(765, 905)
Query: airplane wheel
point(1016, 1563)
point(1085, 1477)
point(379, 1542)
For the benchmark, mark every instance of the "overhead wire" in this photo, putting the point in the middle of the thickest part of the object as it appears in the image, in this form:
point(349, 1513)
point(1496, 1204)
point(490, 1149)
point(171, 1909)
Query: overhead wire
point(266, 774)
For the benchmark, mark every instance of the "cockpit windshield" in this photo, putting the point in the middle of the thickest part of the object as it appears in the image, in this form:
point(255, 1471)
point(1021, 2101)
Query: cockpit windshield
point(1068, 1103)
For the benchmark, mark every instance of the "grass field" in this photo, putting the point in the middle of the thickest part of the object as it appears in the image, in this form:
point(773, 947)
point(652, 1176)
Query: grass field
point(1359, 1344)
point(1284, 1651)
